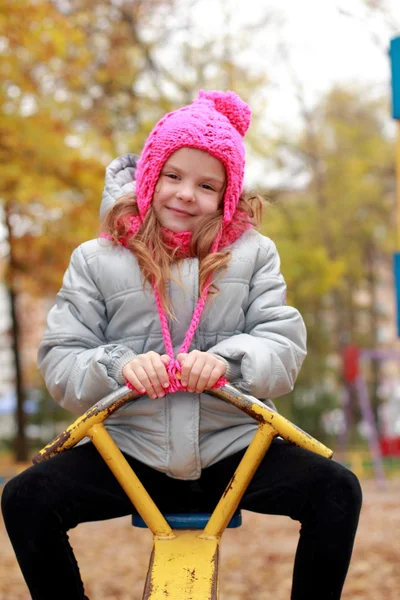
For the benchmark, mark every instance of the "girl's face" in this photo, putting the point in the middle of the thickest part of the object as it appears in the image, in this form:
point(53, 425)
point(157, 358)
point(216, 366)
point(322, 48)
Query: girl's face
point(191, 185)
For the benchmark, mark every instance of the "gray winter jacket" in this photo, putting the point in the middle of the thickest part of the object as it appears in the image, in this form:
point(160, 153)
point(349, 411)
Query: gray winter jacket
point(103, 318)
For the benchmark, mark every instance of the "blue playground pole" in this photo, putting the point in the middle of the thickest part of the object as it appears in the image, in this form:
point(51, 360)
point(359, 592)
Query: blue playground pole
point(396, 273)
point(394, 54)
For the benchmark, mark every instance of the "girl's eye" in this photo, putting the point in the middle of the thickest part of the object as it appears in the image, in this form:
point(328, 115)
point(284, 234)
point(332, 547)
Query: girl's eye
point(207, 186)
point(171, 175)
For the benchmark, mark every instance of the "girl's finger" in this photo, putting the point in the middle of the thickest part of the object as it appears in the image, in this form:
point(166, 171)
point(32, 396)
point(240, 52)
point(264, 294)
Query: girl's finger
point(142, 376)
point(159, 376)
point(216, 373)
point(186, 361)
point(195, 372)
point(154, 370)
point(133, 380)
point(202, 382)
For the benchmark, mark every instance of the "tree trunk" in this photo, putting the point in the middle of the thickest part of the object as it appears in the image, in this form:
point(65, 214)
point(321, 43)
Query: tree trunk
point(375, 369)
point(20, 442)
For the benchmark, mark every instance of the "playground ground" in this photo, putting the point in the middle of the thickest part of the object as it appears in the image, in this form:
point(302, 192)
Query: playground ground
point(256, 559)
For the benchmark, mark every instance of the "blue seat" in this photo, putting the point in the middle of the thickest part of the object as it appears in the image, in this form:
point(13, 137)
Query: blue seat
point(188, 520)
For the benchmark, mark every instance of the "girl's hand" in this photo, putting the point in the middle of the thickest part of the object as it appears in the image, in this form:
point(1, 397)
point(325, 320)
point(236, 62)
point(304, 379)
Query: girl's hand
point(147, 373)
point(200, 370)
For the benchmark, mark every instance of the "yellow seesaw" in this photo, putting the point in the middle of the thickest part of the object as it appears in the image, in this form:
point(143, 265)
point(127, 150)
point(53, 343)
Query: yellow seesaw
point(184, 562)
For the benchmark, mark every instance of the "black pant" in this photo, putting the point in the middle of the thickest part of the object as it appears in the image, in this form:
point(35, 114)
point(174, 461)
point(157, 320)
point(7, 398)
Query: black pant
point(41, 504)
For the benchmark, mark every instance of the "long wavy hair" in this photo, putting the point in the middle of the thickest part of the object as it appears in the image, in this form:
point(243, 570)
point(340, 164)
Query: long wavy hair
point(156, 257)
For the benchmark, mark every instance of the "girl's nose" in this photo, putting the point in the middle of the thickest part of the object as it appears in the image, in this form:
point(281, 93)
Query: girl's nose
point(185, 193)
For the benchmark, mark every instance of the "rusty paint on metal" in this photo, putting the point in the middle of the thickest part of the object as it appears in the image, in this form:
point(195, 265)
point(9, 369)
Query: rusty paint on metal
point(214, 585)
point(57, 445)
point(148, 586)
point(229, 486)
point(165, 592)
point(251, 412)
point(51, 448)
point(107, 411)
point(242, 405)
point(192, 574)
point(258, 413)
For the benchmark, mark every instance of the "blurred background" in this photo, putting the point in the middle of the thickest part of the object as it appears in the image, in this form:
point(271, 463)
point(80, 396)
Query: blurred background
point(83, 81)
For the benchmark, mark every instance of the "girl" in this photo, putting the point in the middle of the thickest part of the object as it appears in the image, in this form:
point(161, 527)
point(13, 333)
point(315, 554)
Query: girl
point(180, 294)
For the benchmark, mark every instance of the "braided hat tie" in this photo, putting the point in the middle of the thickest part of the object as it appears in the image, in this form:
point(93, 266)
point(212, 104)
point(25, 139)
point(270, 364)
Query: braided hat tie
point(174, 368)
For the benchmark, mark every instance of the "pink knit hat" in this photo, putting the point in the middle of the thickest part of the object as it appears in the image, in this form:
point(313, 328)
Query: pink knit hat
point(216, 123)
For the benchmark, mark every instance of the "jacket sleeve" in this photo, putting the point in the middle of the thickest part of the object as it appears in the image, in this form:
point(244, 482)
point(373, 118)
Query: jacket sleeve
point(78, 365)
point(266, 358)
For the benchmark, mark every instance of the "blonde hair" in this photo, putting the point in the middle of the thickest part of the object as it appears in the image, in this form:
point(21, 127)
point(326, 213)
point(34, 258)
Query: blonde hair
point(156, 258)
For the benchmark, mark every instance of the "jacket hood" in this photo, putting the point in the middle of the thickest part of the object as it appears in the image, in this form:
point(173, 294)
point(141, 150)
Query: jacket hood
point(119, 179)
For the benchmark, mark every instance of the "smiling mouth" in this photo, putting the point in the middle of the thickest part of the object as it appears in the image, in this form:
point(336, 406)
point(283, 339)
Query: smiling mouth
point(180, 212)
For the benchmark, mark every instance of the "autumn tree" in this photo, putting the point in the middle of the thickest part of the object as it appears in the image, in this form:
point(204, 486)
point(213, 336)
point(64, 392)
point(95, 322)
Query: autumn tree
point(82, 82)
point(38, 170)
point(335, 233)
point(53, 157)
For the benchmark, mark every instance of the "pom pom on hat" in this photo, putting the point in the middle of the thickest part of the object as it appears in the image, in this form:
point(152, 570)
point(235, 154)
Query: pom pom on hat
point(215, 122)
point(232, 106)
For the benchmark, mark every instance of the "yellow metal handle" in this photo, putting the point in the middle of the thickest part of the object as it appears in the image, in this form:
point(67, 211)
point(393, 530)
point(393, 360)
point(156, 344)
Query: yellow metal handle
point(271, 425)
point(79, 429)
point(263, 414)
point(248, 404)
